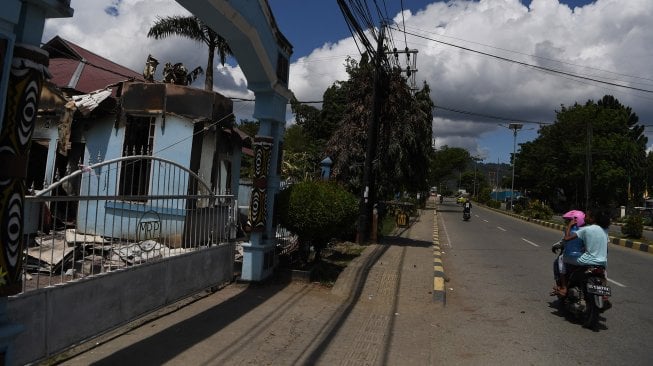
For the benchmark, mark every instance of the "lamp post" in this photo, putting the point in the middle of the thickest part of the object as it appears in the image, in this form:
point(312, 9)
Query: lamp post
point(514, 127)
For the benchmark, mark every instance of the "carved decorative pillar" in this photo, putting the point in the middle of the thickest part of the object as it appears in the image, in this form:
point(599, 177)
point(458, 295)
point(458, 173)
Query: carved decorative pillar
point(28, 69)
point(258, 202)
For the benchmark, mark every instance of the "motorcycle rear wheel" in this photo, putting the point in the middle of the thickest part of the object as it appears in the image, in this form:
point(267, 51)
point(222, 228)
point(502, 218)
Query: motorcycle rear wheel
point(590, 316)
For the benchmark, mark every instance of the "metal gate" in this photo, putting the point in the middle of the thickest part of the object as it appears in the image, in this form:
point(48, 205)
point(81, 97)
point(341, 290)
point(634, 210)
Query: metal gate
point(120, 213)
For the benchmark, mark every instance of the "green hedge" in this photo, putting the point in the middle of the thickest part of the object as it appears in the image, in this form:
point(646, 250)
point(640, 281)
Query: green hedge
point(493, 203)
point(633, 226)
point(537, 210)
point(317, 211)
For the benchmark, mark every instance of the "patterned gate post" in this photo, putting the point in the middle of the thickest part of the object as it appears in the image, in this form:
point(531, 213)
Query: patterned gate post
point(28, 69)
point(258, 205)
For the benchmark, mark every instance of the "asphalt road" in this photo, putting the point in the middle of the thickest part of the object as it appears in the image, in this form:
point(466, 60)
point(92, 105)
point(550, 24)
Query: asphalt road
point(498, 309)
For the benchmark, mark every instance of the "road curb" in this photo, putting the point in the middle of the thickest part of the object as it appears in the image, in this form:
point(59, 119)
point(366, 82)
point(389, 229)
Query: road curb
point(439, 291)
point(642, 247)
point(626, 243)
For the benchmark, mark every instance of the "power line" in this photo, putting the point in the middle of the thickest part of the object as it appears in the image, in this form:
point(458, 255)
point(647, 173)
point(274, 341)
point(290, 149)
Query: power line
point(489, 115)
point(540, 68)
point(536, 56)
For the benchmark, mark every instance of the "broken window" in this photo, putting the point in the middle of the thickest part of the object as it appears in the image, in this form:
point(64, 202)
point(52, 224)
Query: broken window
point(36, 166)
point(135, 174)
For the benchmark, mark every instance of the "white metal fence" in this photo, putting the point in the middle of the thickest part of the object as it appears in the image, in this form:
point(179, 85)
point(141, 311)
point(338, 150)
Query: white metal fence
point(120, 213)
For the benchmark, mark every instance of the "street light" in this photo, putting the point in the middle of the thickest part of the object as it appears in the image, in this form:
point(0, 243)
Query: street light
point(476, 160)
point(514, 127)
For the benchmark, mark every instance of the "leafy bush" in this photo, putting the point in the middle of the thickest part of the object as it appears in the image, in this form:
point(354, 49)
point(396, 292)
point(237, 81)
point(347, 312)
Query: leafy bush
point(517, 208)
point(317, 211)
point(538, 210)
point(633, 226)
point(485, 196)
point(493, 203)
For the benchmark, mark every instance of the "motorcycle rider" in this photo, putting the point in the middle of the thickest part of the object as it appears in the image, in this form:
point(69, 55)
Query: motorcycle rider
point(595, 237)
point(467, 207)
point(569, 250)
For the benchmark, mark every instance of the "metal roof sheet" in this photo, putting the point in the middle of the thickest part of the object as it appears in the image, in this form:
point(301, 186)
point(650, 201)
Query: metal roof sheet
point(75, 67)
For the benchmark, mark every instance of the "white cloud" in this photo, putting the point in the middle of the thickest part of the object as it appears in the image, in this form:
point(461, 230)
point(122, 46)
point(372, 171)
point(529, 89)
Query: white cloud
point(606, 39)
point(120, 35)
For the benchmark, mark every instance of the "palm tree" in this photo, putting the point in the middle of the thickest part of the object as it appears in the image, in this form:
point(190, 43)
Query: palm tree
point(193, 28)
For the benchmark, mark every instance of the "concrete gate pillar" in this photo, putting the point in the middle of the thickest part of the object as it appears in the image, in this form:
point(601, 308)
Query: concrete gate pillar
point(263, 54)
point(259, 253)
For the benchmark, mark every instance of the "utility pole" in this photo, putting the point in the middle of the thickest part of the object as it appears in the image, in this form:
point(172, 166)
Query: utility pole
point(369, 189)
point(515, 127)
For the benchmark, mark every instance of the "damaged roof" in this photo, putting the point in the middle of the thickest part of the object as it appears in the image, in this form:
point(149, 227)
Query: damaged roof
point(196, 104)
point(74, 67)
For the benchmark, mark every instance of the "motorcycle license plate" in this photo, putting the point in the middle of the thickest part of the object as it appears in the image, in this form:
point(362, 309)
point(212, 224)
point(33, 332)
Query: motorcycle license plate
point(598, 289)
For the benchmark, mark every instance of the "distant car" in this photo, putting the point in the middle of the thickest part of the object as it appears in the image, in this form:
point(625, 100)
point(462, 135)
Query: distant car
point(460, 199)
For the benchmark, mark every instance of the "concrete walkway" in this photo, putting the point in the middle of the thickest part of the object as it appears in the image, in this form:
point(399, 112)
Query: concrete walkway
point(381, 311)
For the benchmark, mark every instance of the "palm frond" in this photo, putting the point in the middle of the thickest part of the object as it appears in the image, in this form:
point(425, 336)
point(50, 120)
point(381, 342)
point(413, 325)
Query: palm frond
point(183, 26)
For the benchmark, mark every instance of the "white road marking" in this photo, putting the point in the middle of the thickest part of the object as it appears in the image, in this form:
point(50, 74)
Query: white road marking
point(617, 283)
point(485, 220)
point(530, 242)
point(500, 228)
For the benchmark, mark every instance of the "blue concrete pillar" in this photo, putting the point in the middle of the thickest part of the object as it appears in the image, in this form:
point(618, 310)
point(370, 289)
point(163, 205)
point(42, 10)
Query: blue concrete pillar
point(259, 253)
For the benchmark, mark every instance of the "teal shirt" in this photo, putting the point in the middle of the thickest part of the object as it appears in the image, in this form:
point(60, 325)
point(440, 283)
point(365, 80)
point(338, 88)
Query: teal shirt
point(596, 245)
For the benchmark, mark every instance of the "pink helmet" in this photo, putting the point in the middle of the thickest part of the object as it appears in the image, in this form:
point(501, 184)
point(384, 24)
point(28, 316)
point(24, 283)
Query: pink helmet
point(575, 214)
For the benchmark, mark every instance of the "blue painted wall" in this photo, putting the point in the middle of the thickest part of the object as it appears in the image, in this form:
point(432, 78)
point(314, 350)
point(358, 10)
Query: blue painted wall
point(114, 218)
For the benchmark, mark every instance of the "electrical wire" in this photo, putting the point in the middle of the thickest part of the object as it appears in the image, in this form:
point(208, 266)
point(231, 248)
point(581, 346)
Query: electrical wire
point(533, 56)
point(539, 68)
point(489, 115)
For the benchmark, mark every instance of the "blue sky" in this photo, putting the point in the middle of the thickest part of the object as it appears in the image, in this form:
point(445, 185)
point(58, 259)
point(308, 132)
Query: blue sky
point(604, 39)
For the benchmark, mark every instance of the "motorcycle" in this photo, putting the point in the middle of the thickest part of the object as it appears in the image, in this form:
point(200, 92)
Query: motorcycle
point(466, 215)
point(587, 294)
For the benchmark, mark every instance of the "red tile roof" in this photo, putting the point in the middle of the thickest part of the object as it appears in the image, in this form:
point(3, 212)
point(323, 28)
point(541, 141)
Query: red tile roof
point(77, 68)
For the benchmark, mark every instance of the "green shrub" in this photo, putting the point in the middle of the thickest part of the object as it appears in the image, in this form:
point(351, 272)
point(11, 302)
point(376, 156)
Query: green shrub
point(317, 211)
point(485, 196)
point(538, 210)
point(387, 223)
point(493, 203)
point(517, 208)
point(633, 226)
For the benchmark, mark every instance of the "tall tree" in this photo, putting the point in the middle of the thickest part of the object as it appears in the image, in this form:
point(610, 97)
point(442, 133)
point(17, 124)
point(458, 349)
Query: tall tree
point(446, 161)
point(193, 28)
point(602, 136)
point(404, 139)
point(300, 155)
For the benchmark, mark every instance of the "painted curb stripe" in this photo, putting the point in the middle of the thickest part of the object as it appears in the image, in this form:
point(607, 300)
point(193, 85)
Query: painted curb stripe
point(439, 292)
point(642, 247)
